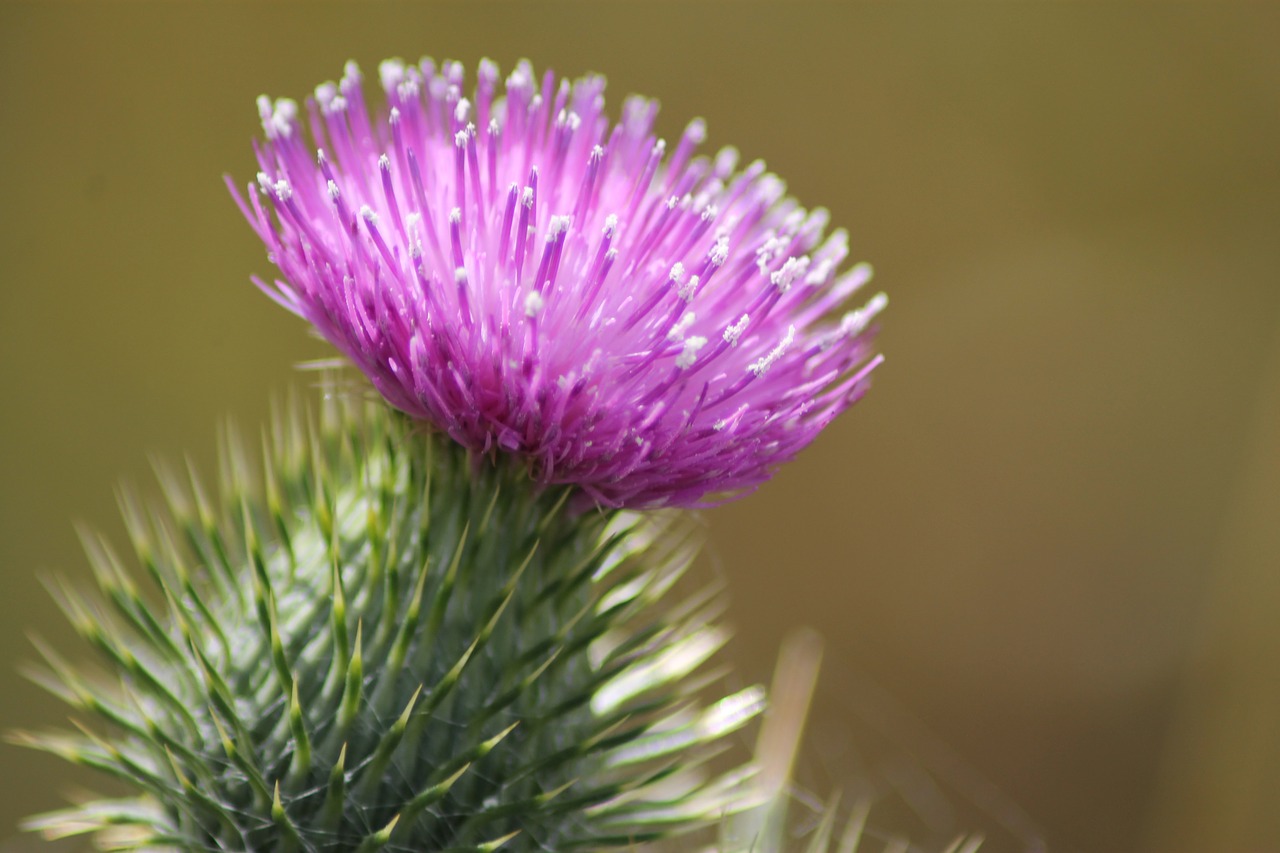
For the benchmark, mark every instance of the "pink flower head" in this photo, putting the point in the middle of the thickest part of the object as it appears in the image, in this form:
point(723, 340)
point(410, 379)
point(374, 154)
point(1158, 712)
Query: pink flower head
point(526, 275)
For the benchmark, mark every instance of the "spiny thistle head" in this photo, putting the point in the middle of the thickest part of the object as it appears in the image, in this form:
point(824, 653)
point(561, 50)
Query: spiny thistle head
point(382, 646)
point(517, 271)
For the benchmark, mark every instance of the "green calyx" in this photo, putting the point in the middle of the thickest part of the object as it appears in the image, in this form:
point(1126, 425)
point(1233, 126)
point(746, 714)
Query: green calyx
point(384, 644)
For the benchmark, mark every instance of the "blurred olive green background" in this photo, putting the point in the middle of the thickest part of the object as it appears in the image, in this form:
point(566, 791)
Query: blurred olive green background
point(1043, 553)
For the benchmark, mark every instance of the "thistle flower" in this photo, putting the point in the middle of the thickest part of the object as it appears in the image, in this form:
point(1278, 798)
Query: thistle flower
point(654, 328)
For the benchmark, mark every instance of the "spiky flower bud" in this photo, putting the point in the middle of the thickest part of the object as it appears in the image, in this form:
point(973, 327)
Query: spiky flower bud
point(380, 645)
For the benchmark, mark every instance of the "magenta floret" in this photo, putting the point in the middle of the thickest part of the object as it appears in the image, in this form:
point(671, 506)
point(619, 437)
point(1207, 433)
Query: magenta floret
point(533, 279)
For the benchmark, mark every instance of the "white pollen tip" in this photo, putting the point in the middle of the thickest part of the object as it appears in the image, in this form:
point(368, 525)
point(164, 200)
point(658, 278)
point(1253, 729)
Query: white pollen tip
point(460, 138)
point(283, 191)
point(384, 163)
point(460, 275)
point(719, 252)
point(366, 213)
point(390, 73)
point(277, 116)
point(265, 182)
point(790, 271)
point(688, 289)
point(460, 111)
point(394, 118)
point(677, 272)
point(334, 192)
point(533, 304)
point(455, 216)
point(726, 160)
point(493, 127)
point(678, 330)
point(855, 322)
point(326, 93)
point(734, 332)
point(819, 274)
point(526, 197)
point(611, 224)
point(761, 365)
point(732, 420)
point(690, 353)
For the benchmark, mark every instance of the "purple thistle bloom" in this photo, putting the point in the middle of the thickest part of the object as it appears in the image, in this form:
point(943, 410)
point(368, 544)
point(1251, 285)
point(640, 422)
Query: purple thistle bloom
point(530, 278)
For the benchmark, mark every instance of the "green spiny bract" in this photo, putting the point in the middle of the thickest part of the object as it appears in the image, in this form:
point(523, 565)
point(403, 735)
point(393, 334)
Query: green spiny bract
point(386, 644)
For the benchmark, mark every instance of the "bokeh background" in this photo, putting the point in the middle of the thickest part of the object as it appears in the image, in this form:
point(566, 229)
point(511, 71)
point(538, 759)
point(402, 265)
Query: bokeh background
point(1043, 553)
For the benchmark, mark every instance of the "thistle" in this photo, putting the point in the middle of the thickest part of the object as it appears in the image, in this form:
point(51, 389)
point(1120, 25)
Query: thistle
point(443, 623)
